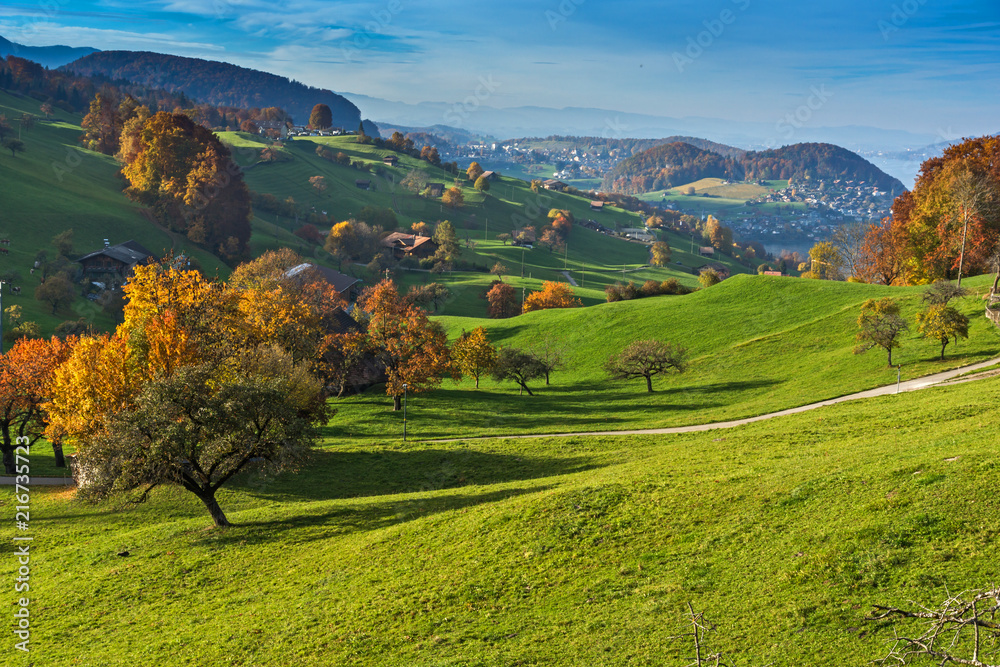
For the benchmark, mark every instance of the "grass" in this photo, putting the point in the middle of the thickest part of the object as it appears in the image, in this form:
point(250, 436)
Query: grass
point(566, 551)
point(510, 204)
point(55, 185)
point(756, 345)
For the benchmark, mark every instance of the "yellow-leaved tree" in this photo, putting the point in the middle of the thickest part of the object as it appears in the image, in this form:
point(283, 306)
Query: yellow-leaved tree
point(188, 391)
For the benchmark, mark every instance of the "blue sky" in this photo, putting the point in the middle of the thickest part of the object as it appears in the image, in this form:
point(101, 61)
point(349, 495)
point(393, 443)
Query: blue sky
point(925, 66)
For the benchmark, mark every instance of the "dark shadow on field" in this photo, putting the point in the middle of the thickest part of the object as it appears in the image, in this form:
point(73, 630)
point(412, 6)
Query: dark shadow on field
point(304, 528)
point(330, 474)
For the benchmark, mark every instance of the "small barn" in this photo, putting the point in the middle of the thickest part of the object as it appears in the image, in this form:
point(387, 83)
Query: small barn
point(348, 287)
point(114, 264)
point(363, 185)
point(410, 245)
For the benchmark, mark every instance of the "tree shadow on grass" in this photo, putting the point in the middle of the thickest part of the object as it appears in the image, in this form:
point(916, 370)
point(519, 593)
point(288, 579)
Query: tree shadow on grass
point(332, 474)
point(306, 527)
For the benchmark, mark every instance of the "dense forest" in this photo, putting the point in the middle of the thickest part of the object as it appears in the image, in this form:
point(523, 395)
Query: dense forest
point(217, 83)
point(669, 166)
point(675, 164)
point(75, 93)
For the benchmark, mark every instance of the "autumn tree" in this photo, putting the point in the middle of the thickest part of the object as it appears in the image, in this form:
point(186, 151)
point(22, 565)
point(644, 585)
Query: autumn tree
point(474, 172)
point(26, 372)
point(942, 292)
point(942, 322)
point(415, 181)
point(499, 270)
point(474, 354)
point(482, 184)
point(57, 291)
point(659, 254)
point(321, 117)
point(318, 183)
point(46, 109)
point(103, 124)
point(883, 255)
point(503, 238)
point(517, 366)
point(880, 324)
point(187, 176)
point(654, 222)
point(352, 239)
point(552, 295)
point(184, 393)
point(430, 153)
point(420, 228)
point(709, 277)
point(644, 359)
point(825, 262)
point(453, 198)
point(412, 349)
point(502, 301)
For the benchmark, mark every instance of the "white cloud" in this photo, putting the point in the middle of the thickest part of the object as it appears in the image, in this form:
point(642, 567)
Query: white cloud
point(43, 33)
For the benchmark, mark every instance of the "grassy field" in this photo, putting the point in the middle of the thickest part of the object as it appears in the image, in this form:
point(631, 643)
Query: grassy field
point(756, 344)
point(590, 257)
point(539, 552)
point(55, 185)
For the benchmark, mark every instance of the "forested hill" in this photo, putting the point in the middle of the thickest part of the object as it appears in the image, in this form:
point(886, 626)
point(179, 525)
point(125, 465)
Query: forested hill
point(817, 161)
point(674, 164)
point(217, 83)
point(668, 166)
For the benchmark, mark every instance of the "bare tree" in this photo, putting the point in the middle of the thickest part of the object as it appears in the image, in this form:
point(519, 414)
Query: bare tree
point(941, 292)
point(972, 197)
point(703, 656)
point(849, 240)
point(962, 630)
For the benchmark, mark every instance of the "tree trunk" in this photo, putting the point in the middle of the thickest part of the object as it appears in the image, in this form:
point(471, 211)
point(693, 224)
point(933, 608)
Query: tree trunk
point(890, 356)
point(996, 282)
point(57, 450)
point(649, 384)
point(944, 344)
point(397, 403)
point(8, 460)
point(526, 389)
point(546, 378)
point(477, 382)
point(208, 497)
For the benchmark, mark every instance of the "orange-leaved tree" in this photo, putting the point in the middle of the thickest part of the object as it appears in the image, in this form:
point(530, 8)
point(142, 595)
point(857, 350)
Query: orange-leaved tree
point(186, 392)
point(26, 372)
point(552, 295)
point(412, 349)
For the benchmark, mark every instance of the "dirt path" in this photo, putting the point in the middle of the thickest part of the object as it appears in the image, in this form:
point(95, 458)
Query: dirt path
point(569, 278)
point(946, 377)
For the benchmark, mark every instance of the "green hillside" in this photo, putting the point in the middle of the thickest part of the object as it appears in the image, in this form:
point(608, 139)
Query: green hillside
point(594, 260)
point(55, 185)
point(540, 552)
point(756, 344)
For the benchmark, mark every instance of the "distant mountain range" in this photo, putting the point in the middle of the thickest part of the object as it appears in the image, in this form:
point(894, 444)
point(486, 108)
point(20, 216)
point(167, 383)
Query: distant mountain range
point(217, 83)
point(49, 56)
point(528, 121)
point(675, 164)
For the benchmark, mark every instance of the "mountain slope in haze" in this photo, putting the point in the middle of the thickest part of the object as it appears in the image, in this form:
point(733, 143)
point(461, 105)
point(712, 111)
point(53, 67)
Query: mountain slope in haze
point(675, 164)
point(49, 56)
point(218, 83)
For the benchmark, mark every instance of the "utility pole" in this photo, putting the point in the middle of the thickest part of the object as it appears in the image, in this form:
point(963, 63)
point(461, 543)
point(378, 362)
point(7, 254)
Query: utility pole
point(1, 316)
point(404, 412)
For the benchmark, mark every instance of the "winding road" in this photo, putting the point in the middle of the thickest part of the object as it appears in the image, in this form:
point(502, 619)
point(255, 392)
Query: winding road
point(945, 377)
point(937, 379)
